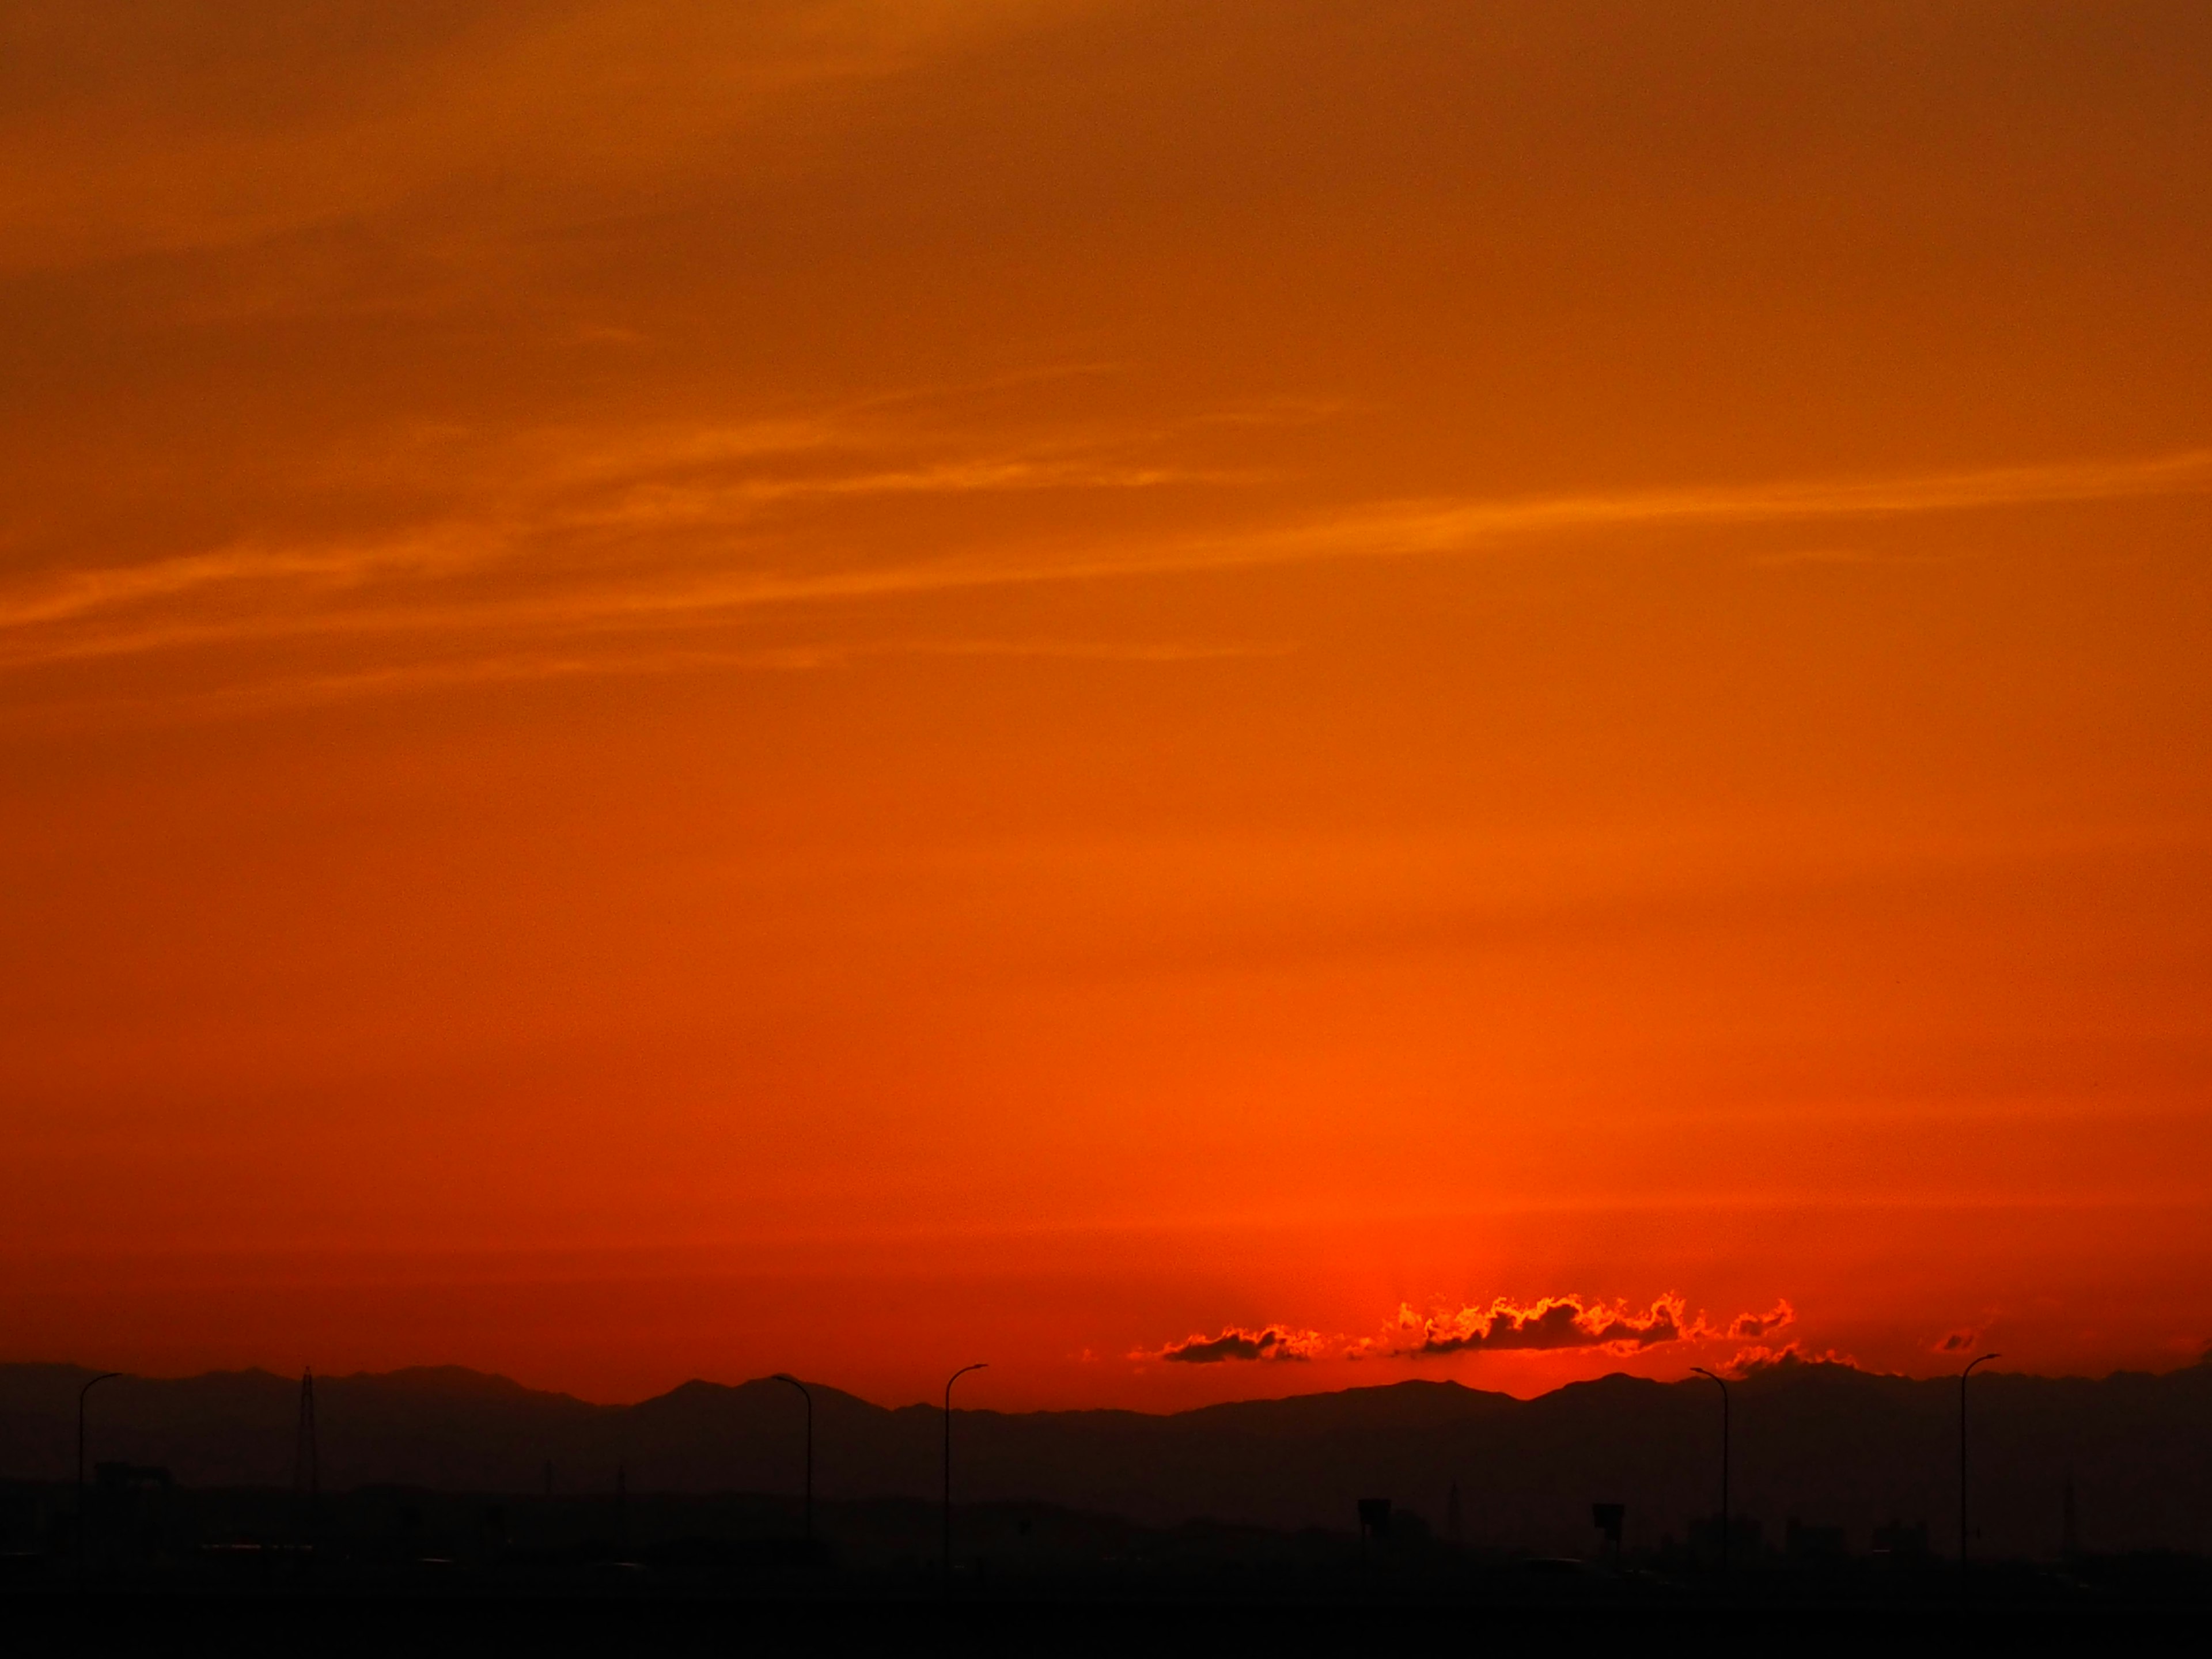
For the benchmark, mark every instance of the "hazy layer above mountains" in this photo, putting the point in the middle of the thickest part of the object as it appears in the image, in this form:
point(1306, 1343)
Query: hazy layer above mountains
point(1828, 1444)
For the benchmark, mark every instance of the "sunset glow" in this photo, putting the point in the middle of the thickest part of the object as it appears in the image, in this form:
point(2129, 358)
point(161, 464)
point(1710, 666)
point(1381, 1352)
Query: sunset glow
point(1208, 701)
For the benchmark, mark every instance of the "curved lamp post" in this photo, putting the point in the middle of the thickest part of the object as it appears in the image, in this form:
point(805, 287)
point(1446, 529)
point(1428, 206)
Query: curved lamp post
point(84, 1520)
point(1963, 1535)
point(1723, 1387)
point(809, 1399)
point(949, 1382)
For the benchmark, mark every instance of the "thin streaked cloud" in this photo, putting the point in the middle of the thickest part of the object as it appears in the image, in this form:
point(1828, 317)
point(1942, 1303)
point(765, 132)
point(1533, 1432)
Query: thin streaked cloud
point(433, 582)
point(282, 691)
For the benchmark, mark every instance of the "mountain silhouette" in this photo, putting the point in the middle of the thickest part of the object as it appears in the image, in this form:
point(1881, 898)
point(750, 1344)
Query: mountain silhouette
point(1828, 1444)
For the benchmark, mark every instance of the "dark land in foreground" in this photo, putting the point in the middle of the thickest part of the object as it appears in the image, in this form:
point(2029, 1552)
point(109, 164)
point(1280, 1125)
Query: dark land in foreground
point(149, 1540)
point(438, 1509)
point(1848, 1453)
point(389, 1569)
point(244, 1628)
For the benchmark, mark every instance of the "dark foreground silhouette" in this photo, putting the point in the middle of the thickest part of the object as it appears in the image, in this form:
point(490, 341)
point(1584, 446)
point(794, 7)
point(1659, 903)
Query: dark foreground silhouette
point(342, 1624)
point(1411, 1516)
point(396, 1570)
point(2061, 1465)
point(480, 1626)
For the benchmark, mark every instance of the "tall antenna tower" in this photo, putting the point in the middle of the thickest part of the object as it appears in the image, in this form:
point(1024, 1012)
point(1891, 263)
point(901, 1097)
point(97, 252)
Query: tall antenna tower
point(306, 1472)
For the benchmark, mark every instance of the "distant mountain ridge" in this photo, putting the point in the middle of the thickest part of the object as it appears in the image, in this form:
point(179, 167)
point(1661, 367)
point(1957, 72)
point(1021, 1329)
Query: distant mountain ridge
point(1829, 1443)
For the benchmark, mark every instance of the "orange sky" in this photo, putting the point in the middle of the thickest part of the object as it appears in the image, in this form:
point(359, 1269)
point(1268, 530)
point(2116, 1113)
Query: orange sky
point(845, 687)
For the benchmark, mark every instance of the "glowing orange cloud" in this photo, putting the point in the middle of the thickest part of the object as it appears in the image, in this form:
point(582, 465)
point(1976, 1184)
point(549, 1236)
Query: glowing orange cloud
point(1761, 1358)
point(1550, 1324)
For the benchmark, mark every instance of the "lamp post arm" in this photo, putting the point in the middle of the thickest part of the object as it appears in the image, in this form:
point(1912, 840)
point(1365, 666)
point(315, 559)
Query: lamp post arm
point(949, 1382)
point(83, 1521)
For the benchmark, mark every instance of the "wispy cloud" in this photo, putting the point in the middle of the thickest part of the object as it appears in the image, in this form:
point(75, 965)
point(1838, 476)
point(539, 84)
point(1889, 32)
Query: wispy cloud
point(1443, 526)
point(652, 509)
point(666, 505)
point(296, 690)
point(304, 575)
point(1750, 1327)
point(564, 103)
point(1401, 530)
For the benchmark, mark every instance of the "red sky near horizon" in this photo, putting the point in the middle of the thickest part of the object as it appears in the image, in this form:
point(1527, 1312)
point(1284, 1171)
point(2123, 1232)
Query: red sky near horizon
point(844, 686)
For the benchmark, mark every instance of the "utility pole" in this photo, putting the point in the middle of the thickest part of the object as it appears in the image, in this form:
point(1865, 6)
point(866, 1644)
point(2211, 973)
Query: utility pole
point(949, 1382)
point(83, 1519)
point(306, 1469)
point(1964, 1536)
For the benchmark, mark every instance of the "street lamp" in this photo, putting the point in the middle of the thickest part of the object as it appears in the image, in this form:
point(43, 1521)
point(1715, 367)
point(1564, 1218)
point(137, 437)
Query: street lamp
point(1984, 1360)
point(1723, 1387)
point(949, 1382)
point(83, 1521)
point(809, 1399)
